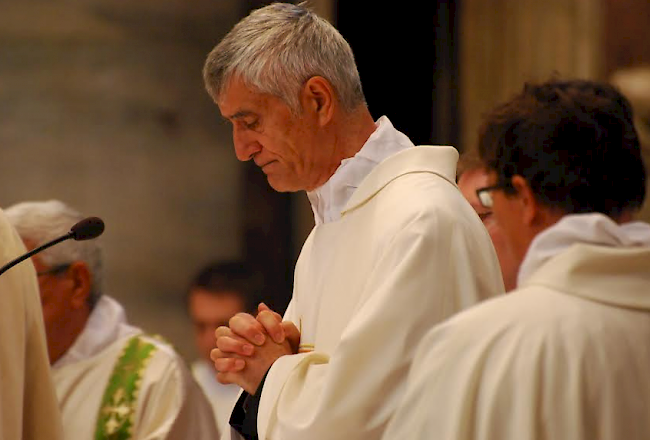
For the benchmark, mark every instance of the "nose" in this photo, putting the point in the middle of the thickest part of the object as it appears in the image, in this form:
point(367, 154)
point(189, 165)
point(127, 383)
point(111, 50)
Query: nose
point(246, 146)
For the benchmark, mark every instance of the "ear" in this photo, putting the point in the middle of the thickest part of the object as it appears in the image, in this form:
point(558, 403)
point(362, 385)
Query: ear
point(82, 279)
point(530, 208)
point(318, 98)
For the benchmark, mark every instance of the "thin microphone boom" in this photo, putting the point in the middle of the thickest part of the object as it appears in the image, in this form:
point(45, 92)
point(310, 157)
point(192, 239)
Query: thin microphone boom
point(86, 229)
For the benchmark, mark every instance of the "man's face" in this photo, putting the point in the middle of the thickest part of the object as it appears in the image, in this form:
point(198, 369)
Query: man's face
point(468, 183)
point(281, 144)
point(208, 311)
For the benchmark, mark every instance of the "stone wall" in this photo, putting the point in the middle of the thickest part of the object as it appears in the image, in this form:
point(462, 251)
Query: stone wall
point(102, 106)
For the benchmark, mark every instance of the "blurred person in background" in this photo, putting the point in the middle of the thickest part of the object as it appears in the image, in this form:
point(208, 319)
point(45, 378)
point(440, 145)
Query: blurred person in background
point(218, 292)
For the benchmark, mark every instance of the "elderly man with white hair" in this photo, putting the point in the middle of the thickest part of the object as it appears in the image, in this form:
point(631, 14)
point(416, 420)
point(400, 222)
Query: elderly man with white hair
point(111, 379)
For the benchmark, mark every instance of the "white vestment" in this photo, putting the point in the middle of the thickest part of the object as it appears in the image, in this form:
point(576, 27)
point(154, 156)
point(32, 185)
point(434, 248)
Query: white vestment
point(28, 406)
point(406, 252)
point(169, 404)
point(565, 356)
point(222, 397)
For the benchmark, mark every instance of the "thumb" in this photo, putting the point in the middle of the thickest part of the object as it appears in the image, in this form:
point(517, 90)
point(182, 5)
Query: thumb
point(292, 335)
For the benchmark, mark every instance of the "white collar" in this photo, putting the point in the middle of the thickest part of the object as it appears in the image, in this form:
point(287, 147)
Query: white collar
point(106, 324)
point(328, 200)
point(593, 228)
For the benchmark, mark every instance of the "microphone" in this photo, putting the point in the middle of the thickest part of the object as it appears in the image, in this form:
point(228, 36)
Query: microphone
point(86, 229)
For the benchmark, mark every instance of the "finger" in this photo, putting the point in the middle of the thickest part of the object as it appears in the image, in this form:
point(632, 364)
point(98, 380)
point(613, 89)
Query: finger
point(227, 364)
point(247, 327)
point(222, 331)
point(232, 345)
point(292, 335)
point(226, 378)
point(263, 307)
point(272, 325)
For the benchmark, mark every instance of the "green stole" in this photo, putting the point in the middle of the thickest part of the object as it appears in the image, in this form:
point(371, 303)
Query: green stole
point(117, 410)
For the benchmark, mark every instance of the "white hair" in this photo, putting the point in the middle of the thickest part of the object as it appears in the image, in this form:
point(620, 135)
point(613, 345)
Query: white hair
point(40, 222)
point(277, 48)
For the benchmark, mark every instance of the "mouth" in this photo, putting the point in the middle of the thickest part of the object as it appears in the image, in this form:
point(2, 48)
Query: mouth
point(263, 166)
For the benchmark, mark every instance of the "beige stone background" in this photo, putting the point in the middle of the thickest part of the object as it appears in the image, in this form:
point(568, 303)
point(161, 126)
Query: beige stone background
point(504, 43)
point(102, 106)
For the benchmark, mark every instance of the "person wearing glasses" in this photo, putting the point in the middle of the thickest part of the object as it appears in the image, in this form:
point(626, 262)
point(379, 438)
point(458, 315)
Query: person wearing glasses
point(111, 380)
point(566, 354)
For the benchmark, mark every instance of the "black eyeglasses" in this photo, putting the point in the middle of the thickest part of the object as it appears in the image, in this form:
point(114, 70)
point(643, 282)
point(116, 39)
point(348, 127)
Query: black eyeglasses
point(56, 270)
point(485, 195)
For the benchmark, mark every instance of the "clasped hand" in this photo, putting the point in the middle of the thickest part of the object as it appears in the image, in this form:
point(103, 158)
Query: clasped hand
point(248, 347)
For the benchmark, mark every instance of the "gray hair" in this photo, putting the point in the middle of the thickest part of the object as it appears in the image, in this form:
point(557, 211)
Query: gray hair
point(277, 48)
point(40, 222)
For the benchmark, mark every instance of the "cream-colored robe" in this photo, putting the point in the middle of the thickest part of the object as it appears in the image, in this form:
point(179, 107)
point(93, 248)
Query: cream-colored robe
point(566, 356)
point(28, 406)
point(408, 252)
point(170, 404)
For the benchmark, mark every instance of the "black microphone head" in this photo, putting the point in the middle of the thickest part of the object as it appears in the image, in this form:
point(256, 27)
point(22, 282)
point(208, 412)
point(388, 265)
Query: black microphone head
point(87, 229)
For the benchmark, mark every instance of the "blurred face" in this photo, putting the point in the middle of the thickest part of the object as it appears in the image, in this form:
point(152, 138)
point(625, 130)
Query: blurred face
point(468, 183)
point(264, 130)
point(209, 311)
point(64, 291)
point(55, 289)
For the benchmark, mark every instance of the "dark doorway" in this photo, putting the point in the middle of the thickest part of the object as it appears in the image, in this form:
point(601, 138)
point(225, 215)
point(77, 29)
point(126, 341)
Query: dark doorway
point(407, 62)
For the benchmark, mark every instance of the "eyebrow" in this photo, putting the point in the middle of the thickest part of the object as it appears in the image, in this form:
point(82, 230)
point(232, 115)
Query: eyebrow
point(239, 114)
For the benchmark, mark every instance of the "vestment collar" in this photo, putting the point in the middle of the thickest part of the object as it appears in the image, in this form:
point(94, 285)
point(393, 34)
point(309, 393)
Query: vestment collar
point(435, 159)
point(591, 256)
point(106, 324)
point(328, 200)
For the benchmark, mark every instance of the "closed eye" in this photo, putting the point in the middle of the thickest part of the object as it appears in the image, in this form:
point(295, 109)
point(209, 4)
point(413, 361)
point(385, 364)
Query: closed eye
point(251, 125)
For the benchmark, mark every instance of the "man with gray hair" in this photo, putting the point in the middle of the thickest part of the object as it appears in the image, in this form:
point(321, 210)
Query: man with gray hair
point(112, 380)
point(395, 248)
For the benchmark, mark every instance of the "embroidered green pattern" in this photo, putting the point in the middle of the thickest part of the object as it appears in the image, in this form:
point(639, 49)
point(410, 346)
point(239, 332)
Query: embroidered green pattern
point(117, 411)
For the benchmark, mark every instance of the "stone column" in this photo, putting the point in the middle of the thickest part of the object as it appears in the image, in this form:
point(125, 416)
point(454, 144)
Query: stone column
point(504, 43)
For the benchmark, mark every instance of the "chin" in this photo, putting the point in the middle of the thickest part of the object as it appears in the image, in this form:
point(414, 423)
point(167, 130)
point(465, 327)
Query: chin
point(283, 186)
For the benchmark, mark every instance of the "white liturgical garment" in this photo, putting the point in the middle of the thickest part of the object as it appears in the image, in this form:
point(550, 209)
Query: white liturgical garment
point(167, 402)
point(405, 252)
point(28, 406)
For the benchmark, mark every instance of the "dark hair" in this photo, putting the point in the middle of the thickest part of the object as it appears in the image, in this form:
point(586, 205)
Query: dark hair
point(573, 141)
point(232, 277)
